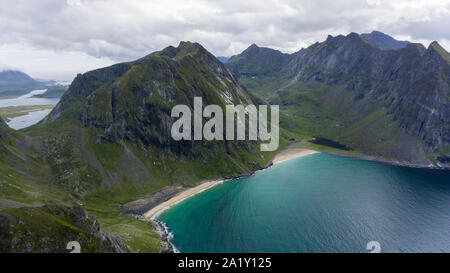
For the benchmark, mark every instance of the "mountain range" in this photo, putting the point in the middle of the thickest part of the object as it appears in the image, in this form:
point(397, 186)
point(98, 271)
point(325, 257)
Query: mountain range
point(107, 142)
point(15, 83)
point(392, 104)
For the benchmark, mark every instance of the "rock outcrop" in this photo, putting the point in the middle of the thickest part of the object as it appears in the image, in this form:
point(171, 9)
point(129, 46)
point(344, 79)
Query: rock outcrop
point(4, 129)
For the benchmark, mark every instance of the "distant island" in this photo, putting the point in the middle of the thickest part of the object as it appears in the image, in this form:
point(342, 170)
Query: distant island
point(55, 91)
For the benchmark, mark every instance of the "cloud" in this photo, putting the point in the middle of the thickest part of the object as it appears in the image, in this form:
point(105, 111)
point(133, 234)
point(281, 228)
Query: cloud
point(123, 30)
point(5, 67)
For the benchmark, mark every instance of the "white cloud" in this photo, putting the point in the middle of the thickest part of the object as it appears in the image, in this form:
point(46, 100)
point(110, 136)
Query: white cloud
point(5, 67)
point(74, 2)
point(122, 30)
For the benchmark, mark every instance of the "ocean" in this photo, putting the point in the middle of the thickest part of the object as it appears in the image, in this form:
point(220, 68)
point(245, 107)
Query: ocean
point(318, 203)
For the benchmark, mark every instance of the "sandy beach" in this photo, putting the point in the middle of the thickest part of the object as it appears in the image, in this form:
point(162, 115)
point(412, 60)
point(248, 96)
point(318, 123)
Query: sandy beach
point(154, 212)
point(284, 155)
point(291, 153)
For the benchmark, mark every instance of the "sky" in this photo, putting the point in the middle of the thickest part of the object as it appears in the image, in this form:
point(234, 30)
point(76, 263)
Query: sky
point(56, 39)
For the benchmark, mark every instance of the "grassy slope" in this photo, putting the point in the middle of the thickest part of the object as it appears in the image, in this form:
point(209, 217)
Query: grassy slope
point(161, 169)
point(39, 216)
point(313, 109)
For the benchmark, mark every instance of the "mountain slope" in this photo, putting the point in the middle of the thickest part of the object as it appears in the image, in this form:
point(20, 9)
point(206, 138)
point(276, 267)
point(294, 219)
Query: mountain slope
point(35, 215)
point(384, 41)
point(390, 104)
point(108, 143)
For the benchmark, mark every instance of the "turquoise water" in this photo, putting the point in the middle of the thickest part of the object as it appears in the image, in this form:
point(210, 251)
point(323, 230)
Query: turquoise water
point(318, 203)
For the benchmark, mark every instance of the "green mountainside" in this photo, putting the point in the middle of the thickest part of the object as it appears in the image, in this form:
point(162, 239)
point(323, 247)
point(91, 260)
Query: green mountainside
point(108, 143)
point(393, 105)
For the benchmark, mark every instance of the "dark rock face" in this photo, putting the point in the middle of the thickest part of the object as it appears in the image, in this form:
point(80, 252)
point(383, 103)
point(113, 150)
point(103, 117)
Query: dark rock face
point(412, 83)
point(85, 84)
point(133, 101)
point(384, 41)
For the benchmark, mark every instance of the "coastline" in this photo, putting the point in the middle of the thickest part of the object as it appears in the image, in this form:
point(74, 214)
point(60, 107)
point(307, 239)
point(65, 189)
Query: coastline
point(286, 154)
point(291, 153)
point(386, 161)
point(150, 207)
point(189, 192)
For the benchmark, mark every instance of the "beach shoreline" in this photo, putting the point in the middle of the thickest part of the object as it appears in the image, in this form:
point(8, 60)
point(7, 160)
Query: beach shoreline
point(150, 207)
point(181, 196)
point(291, 153)
point(284, 155)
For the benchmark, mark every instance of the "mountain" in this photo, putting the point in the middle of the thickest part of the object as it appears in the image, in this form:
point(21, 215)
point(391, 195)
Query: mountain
point(257, 61)
point(108, 142)
point(54, 91)
point(389, 104)
point(384, 41)
point(132, 101)
point(16, 83)
point(222, 59)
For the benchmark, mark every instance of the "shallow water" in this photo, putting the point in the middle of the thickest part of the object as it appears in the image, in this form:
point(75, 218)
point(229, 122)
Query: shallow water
point(31, 118)
point(318, 203)
point(27, 100)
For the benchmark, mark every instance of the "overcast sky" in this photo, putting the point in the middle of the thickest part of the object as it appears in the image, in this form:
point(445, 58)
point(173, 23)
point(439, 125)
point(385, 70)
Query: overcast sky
point(56, 39)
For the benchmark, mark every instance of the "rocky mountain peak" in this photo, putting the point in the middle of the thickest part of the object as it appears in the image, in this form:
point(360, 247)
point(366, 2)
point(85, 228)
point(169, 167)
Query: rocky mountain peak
point(253, 46)
point(133, 101)
point(257, 60)
point(436, 47)
point(384, 41)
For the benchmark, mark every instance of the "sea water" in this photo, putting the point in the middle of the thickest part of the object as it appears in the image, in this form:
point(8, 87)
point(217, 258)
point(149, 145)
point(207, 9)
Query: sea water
point(32, 117)
point(318, 203)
